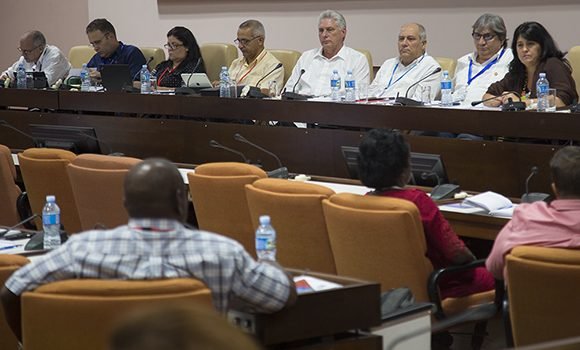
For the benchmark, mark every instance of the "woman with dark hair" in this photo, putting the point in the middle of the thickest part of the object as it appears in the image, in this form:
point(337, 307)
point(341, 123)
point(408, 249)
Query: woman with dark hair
point(184, 57)
point(536, 53)
point(384, 164)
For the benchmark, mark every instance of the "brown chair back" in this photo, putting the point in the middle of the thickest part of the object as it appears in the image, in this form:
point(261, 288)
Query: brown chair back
point(80, 314)
point(295, 209)
point(97, 183)
point(543, 298)
point(378, 239)
point(8, 264)
point(9, 191)
point(288, 58)
point(219, 198)
point(44, 172)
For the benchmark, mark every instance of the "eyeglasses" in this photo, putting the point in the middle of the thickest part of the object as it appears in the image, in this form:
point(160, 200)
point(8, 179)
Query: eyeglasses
point(98, 42)
point(486, 36)
point(244, 42)
point(169, 46)
point(26, 52)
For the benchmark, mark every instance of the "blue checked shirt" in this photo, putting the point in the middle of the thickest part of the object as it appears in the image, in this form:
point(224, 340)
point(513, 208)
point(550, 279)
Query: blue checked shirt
point(154, 249)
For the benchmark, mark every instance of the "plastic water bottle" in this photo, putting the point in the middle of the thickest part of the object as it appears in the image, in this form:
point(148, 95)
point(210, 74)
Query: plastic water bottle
point(446, 90)
point(266, 240)
point(51, 223)
point(335, 86)
point(350, 87)
point(21, 77)
point(225, 83)
point(542, 86)
point(85, 78)
point(145, 80)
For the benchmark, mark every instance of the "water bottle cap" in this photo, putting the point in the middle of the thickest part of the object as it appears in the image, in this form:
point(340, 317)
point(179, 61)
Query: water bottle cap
point(265, 220)
point(51, 198)
point(335, 71)
point(542, 75)
point(349, 71)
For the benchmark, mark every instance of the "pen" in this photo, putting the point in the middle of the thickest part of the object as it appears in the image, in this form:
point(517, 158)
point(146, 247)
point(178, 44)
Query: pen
point(10, 247)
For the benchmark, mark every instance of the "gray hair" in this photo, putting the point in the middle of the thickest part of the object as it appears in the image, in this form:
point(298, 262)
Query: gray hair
point(334, 15)
point(38, 38)
point(422, 30)
point(256, 26)
point(494, 23)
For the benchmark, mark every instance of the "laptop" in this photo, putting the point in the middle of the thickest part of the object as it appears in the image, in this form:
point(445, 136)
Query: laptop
point(196, 80)
point(115, 77)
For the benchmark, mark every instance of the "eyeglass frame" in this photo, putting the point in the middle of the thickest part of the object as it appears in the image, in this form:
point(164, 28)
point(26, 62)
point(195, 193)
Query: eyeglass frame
point(245, 42)
point(169, 46)
point(486, 37)
point(27, 52)
point(100, 41)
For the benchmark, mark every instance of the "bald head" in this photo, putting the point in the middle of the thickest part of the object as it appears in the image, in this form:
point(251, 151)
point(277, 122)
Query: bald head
point(154, 189)
point(32, 44)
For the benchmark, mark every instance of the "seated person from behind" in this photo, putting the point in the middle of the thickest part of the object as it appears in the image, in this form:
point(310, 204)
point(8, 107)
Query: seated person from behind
point(489, 63)
point(397, 74)
point(103, 39)
point(184, 57)
point(384, 164)
point(536, 52)
point(37, 56)
point(155, 244)
point(555, 224)
point(256, 63)
point(318, 64)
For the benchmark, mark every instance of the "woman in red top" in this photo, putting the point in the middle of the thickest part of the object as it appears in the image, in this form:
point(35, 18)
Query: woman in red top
point(384, 164)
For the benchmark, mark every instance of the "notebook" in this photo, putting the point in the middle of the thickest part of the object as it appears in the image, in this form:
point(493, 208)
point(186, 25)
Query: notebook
point(115, 77)
point(196, 80)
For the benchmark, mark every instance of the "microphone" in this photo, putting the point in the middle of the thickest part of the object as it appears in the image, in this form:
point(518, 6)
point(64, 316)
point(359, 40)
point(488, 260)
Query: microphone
point(278, 66)
point(30, 218)
point(425, 175)
point(475, 103)
point(281, 172)
point(186, 90)
point(139, 71)
point(405, 101)
point(193, 71)
point(215, 144)
point(479, 312)
point(149, 61)
point(535, 196)
point(287, 95)
point(513, 106)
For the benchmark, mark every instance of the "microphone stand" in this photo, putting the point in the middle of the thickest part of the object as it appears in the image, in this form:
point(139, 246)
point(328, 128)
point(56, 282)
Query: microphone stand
point(281, 172)
point(287, 95)
point(405, 101)
point(215, 144)
point(534, 196)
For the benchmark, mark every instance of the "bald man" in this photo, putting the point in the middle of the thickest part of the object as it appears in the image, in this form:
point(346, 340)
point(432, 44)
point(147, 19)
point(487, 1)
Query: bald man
point(398, 74)
point(37, 56)
point(155, 244)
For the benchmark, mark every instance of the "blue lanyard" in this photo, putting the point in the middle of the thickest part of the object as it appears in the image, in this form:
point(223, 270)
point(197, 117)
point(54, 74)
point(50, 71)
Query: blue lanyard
point(401, 77)
point(488, 66)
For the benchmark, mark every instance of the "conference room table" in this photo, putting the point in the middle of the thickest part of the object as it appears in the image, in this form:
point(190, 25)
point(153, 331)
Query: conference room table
point(180, 128)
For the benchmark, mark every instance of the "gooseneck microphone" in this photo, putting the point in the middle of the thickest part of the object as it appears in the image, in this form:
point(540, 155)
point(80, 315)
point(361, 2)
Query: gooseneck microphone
point(139, 71)
point(405, 101)
point(425, 175)
point(302, 71)
point(193, 71)
point(475, 103)
point(281, 172)
point(6, 230)
point(287, 95)
point(535, 196)
point(278, 66)
point(215, 144)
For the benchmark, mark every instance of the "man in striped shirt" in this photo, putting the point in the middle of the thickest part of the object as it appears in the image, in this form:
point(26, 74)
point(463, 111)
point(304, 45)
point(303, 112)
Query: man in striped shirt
point(155, 244)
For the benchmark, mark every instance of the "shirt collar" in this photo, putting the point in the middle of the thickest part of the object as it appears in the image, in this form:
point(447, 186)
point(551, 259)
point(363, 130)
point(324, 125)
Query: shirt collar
point(117, 52)
point(340, 54)
point(145, 224)
point(566, 204)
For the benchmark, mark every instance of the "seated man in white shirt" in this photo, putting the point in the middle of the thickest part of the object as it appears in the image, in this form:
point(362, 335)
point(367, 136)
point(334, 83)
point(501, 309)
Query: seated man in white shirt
point(399, 76)
point(477, 70)
point(312, 73)
point(37, 56)
point(257, 66)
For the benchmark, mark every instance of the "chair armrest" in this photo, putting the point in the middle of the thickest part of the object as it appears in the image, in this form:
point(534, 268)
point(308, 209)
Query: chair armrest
point(433, 282)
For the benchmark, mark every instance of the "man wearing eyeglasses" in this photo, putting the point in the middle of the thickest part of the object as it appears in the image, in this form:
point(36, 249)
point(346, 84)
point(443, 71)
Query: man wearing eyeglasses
point(399, 76)
point(257, 65)
point(37, 56)
point(103, 38)
point(489, 63)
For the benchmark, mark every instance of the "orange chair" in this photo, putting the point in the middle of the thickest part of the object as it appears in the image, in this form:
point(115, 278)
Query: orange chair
point(8, 264)
point(219, 198)
point(40, 167)
point(80, 314)
point(543, 298)
point(9, 191)
point(296, 212)
point(97, 182)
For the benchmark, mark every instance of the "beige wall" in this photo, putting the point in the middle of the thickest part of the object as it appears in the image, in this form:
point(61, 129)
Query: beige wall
point(289, 24)
point(61, 21)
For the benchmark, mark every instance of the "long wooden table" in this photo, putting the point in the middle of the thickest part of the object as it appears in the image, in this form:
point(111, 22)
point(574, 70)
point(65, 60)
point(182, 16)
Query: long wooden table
point(180, 128)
